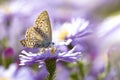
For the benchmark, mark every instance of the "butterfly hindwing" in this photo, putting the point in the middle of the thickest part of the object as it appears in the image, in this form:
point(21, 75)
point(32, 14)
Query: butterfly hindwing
point(23, 42)
point(31, 38)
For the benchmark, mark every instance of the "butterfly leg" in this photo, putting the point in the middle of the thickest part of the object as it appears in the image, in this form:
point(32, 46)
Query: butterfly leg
point(52, 50)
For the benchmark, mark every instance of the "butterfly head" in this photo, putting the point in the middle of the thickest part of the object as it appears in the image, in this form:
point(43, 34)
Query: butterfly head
point(51, 44)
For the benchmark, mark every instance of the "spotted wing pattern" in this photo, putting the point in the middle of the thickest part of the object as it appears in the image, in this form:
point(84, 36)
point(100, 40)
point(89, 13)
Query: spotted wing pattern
point(31, 38)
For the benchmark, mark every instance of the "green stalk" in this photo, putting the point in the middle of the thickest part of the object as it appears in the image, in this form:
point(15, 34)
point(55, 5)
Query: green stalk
point(51, 67)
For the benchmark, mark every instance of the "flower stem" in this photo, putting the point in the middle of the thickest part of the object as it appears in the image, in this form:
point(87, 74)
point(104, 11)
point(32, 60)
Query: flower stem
point(51, 67)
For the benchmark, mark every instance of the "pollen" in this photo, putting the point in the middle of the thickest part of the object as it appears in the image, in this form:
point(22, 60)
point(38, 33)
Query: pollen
point(53, 49)
point(42, 50)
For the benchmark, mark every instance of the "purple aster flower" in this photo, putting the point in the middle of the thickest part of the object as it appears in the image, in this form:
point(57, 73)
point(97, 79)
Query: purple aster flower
point(49, 59)
point(74, 33)
point(79, 35)
point(27, 58)
point(13, 73)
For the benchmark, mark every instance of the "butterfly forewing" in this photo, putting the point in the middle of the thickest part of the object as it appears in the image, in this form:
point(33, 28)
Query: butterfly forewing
point(42, 23)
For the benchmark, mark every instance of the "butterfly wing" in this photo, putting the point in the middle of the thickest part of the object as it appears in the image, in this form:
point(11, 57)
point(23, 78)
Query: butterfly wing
point(43, 26)
point(40, 35)
point(23, 42)
point(32, 38)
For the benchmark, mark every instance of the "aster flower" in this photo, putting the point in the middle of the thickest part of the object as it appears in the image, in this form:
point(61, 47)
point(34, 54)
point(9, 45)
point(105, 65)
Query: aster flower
point(79, 34)
point(74, 33)
point(28, 58)
point(13, 73)
point(49, 58)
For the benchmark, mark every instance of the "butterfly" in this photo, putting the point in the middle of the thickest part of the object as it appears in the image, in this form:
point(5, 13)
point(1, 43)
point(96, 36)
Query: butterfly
point(40, 34)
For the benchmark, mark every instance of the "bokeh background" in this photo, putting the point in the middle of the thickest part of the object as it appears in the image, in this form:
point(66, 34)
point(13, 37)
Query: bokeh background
point(101, 48)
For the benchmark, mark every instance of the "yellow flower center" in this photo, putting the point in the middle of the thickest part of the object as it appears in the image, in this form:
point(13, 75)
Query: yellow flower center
point(63, 34)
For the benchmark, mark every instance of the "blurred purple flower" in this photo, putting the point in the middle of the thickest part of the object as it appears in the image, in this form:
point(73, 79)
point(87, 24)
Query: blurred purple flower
point(108, 31)
point(106, 38)
point(8, 52)
point(62, 73)
point(31, 58)
point(41, 74)
point(13, 73)
point(112, 75)
point(98, 67)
